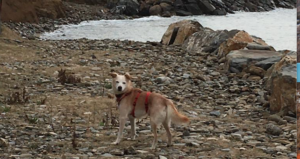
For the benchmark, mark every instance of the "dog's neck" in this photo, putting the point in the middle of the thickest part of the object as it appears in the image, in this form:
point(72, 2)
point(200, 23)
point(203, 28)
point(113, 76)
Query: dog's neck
point(119, 97)
point(128, 91)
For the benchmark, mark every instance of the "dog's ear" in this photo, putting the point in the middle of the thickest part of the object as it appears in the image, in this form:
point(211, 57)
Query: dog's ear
point(127, 75)
point(113, 74)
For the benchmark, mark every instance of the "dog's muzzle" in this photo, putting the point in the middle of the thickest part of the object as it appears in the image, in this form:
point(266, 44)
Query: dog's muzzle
point(119, 88)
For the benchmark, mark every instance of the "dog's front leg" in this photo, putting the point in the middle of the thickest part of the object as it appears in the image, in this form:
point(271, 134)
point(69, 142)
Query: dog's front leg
point(133, 127)
point(122, 122)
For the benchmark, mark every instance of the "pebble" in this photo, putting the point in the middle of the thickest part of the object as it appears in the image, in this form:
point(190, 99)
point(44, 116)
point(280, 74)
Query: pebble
point(215, 113)
point(162, 157)
point(273, 129)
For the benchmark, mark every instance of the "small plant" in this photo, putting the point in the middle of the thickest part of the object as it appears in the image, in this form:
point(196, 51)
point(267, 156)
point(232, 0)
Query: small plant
point(101, 124)
point(42, 101)
point(32, 120)
point(18, 97)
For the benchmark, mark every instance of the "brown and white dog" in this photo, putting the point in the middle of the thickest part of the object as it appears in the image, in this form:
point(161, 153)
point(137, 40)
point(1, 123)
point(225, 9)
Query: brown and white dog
point(135, 103)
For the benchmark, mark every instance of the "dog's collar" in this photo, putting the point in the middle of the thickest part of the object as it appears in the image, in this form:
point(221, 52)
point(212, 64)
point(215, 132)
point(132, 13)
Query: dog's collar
point(119, 97)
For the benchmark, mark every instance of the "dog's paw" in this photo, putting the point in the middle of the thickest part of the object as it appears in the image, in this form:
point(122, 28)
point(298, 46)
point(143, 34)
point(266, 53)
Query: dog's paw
point(115, 143)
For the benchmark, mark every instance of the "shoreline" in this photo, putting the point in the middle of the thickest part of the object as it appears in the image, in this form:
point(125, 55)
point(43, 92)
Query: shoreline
point(137, 28)
point(89, 13)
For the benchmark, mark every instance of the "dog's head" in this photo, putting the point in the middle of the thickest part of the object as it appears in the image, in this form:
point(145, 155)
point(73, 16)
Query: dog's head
point(121, 83)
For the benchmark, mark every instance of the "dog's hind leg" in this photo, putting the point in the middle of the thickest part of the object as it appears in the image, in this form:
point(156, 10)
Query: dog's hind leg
point(133, 127)
point(122, 122)
point(166, 126)
point(154, 130)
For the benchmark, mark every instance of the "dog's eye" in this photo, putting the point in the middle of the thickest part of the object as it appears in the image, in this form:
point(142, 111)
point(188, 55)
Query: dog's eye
point(124, 83)
point(117, 81)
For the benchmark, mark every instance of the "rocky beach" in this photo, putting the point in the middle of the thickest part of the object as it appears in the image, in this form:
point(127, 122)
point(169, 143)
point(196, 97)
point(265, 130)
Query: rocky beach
point(238, 91)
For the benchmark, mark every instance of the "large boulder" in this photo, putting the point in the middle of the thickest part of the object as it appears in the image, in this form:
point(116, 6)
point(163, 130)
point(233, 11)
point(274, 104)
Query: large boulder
point(238, 41)
point(207, 40)
point(144, 9)
point(127, 7)
point(155, 10)
point(30, 10)
point(165, 7)
point(193, 7)
point(183, 13)
point(281, 83)
point(132, 7)
point(285, 3)
point(206, 6)
point(236, 60)
point(242, 40)
point(178, 32)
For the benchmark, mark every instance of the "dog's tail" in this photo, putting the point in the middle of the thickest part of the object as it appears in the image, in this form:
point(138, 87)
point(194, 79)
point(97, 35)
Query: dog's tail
point(175, 116)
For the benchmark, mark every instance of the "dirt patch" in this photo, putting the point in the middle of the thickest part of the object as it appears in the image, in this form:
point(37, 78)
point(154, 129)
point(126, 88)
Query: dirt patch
point(9, 34)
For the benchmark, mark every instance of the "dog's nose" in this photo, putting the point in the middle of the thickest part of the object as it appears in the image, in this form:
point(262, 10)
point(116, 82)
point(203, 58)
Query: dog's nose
point(119, 88)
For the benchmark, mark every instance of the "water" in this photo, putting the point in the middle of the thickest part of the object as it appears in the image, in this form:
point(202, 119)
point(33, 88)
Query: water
point(277, 27)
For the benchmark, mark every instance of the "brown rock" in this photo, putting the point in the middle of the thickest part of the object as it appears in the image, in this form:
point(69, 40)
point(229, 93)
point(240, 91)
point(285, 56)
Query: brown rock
point(144, 9)
point(151, 2)
point(239, 41)
point(254, 70)
point(166, 14)
point(178, 32)
point(281, 82)
point(3, 142)
point(30, 10)
point(165, 7)
point(254, 78)
point(155, 10)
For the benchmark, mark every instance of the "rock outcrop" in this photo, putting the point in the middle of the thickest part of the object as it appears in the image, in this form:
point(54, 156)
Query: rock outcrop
point(199, 7)
point(247, 56)
point(31, 10)
point(91, 2)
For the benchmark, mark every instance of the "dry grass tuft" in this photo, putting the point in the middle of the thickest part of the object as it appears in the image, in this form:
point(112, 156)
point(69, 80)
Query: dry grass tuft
point(18, 97)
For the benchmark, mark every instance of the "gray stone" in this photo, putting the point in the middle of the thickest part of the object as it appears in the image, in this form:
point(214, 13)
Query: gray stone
point(240, 58)
point(117, 152)
point(266, 64)
point(107, 155)
point(273, 129)
point(215, 113)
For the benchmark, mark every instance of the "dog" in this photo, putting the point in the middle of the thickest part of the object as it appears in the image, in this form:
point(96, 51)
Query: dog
point(135, 103)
